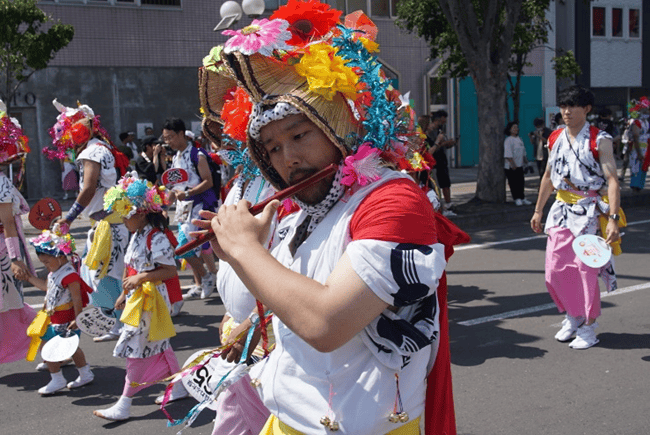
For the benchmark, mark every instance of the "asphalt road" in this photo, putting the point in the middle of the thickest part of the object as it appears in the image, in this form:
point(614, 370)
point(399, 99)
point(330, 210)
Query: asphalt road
point(510, 375)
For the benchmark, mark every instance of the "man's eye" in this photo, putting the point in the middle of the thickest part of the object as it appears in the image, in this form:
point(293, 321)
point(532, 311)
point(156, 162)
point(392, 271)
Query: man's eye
point(300, 135)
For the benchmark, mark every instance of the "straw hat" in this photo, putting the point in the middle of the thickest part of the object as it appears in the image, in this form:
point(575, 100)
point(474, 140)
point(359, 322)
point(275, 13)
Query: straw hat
point(306, 57)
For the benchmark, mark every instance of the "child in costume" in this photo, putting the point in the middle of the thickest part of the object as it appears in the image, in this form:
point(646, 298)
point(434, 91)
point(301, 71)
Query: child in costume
point(78, 129)
point(67, 295)
point(15, 314)
point(150, 285)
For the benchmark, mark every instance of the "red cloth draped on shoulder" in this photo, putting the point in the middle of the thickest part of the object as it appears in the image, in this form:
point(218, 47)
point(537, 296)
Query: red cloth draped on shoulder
point(412, 220)
point(60, 317)
point(440, 417)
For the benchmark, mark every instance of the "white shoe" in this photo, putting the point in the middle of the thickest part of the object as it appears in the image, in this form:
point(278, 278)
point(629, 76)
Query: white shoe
point(65, 196)
point(193, 293)
point(85, 377)
point(119, 412)
point(106, 337)
point(448, 213)
point(57, 383)
point(525, 202)
point(176, 308)
point(178, 392)
point(519, 202)
point(569, 327)
point(585, 337)
point(207, 285)
point(450, 205)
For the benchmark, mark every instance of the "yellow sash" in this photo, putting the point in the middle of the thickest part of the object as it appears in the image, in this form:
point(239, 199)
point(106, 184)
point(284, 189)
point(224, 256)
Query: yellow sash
point(36, 330)
point(573, 198)
point(147, 298)
point(274, 426)
point(102, 246)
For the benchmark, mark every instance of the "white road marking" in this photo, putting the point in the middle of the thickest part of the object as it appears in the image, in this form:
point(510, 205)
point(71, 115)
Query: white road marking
point(521, 239)
point(524, 311)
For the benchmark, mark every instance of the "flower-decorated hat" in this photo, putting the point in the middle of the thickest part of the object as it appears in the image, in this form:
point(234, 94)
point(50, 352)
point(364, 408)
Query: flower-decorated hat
point(304, 60)
point(639, 107)
point(54, 243)
point(74, 127)
point(132, 195)
point(13, 142)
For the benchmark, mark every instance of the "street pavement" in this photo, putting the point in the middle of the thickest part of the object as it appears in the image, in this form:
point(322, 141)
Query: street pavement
point(510, 375)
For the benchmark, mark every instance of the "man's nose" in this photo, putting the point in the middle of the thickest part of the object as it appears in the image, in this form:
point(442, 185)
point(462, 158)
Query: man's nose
point(292, 155)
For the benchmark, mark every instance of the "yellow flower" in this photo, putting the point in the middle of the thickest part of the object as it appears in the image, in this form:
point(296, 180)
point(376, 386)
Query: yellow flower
point(417, 161)
point(123, 207)
point(371, 46)
point(326, 72)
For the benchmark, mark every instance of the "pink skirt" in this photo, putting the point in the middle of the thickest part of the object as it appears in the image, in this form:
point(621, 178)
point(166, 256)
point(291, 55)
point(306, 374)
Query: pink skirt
point(240, 411)
point(152, 369)
point(14, 341)
point(572, 285)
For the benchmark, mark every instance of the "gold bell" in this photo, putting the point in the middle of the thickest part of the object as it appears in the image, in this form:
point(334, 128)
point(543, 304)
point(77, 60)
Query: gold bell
point(255, 382)
point(325, 421)
point(393, 417)
point(333, 426)
point(403, 417)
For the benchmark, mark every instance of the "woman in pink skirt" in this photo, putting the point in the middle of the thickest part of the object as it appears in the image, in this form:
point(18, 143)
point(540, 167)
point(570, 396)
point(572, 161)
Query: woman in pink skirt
point(15, 315)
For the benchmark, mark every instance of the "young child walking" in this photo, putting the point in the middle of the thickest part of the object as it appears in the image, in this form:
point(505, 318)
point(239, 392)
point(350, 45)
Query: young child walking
point(66, 295)
point(150, 287)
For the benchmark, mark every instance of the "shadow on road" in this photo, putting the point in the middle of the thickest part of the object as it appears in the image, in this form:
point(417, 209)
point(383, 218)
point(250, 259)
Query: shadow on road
point(624, 341)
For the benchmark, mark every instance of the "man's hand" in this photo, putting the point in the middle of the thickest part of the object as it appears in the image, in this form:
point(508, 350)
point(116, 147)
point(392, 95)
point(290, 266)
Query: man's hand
point(236, 229)
point(536, 222)
point(61, 222)
point(235, 352)
point(181, 196)
point(157, 149)
point(612, 232)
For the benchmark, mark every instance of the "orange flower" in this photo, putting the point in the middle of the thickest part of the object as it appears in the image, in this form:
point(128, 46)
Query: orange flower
point(236, 112)
point(308, 20)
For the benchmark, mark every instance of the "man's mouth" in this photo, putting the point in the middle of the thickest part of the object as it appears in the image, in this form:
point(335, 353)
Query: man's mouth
point(300, 174)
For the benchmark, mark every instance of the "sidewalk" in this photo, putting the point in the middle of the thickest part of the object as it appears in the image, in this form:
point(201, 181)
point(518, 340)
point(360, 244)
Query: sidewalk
point(472, 213)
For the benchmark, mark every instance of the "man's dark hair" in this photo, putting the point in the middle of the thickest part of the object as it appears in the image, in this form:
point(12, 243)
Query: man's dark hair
point(558, 119)
point(439, 114)
point(124, 135)
point(575, 95)
point(174, 124)
point(538, 122)
point(604, 113)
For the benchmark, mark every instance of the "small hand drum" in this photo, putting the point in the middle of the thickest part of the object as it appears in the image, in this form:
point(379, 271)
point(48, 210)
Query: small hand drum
point(592, 250)
point(60, 347)
point(43, 213)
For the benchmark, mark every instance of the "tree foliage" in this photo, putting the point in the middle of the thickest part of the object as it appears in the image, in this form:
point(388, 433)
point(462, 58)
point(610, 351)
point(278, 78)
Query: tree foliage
point(25, 48)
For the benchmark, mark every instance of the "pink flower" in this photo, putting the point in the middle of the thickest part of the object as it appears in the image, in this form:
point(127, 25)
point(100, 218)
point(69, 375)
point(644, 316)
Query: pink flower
point(362, 167)
point(262, 36)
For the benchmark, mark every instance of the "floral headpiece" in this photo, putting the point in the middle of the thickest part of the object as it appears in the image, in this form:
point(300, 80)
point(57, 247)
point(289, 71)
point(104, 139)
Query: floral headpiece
point(132, 195)
point(54, 243)
point(305, 57)
point(68, 133)
point(13, 141)
point(635, 107)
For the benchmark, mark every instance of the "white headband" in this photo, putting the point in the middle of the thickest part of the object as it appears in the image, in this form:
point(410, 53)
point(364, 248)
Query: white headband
point(261, 117)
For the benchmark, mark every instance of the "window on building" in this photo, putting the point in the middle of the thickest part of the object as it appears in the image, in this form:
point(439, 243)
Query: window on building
point(617, 22)
point(634, 23)
point(380, 8)
point(375, 8)
point(274, 4)
point(437, 91)
point(598, 21)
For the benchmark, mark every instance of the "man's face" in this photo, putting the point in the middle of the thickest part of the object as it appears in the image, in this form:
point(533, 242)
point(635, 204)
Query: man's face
point(297, 148)
point(574, 116)
point(175, 140)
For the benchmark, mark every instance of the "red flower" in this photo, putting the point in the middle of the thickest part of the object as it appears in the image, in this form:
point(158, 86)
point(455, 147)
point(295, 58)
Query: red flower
point(80, 134)
point(235, 114)
point(307, 20)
